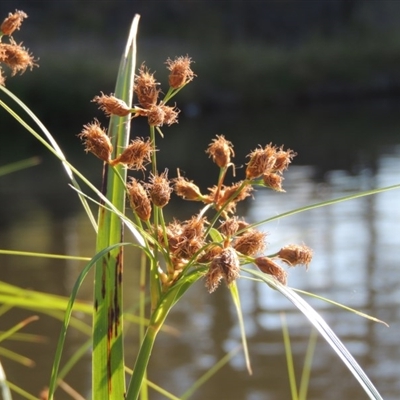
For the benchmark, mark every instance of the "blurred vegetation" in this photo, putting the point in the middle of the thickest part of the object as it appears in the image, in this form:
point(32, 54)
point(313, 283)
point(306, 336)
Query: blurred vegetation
point(249, 56)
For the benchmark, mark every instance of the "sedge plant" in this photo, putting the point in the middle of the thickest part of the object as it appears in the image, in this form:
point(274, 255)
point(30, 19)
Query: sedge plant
point(216, 245)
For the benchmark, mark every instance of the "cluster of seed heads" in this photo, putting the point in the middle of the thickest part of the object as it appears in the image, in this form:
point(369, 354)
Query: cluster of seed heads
point(190, 243)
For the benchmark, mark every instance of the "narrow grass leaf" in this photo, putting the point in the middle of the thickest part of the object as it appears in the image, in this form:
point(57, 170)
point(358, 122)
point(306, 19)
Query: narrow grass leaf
point(289, 358)
point(236, 301)
point(67, 316)
point(324, 329)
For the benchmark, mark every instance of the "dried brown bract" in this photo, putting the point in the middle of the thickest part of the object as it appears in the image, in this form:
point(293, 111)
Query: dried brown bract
point(221, 150)
point(269, 267)
point(139, 201)
point(181, 73)
point(96, 141)
point(16, 57)
point(294, 254)
point(224, 266)
point(159, 189)
point(146, 88)
point(12, 22)
point(110, 105)
point(136, 155)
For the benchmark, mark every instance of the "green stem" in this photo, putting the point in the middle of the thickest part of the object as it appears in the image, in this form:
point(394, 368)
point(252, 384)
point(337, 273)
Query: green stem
point(156, 322)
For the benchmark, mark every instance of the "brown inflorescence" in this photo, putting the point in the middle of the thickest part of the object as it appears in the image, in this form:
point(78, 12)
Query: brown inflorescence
point(136, 155)
point(186, 189)
point(221, 150)
point(96, 141)
point(261, 160)
point(230, 226)
point(268, 266)
point(251, 242)
point(294, 254)
point(159, 189)
point(12, 22)
point(146, 88)
point(110, 105)
point(224, 266)
point(180, 71)
point(139, 201)
point(269, 163)
point(273, 181)
point(16, 57)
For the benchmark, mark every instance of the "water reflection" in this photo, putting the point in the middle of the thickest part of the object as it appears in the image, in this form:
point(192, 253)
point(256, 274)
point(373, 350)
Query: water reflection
point(356, 245)
point(356, 251)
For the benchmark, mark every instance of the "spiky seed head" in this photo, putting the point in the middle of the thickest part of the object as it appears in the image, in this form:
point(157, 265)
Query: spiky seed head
point(283, 159)
point(12, 22)
point(110, 105)
point(138, 199)
point(137, 155)
point(96, 141)
point(250, 242)
point(266, 265)
point(186, 189)
point(261, 160)
point(224, 266)
point(146, 88)
point(220, 150)
point(159, 189)
point(230, 226)
point(294, 254)
point(273, 181)
point(170, 115)
point(16, 57)
point(180, 71)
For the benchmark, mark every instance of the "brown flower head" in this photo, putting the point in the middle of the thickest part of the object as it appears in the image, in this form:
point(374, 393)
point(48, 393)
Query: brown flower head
point(185, 239)
point(170, 115)
point(156, 115)
point(12, 22)
point(273, 181)
point(261, 161)
point(111, 105)
point(16, 57)
point(139, 201)
point(180, 71)
point(230, 226)
point(269, 267)
point(294, 254)
point(159, 189)
point(96, 141)
point(283, 159)
point(186, 189)
point(221, 151)
point(146, 88)
point(224, 266)
point(250, 242)
point(136, 155)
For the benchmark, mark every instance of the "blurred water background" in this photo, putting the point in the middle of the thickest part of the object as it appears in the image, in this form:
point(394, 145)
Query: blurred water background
point(321, 78)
